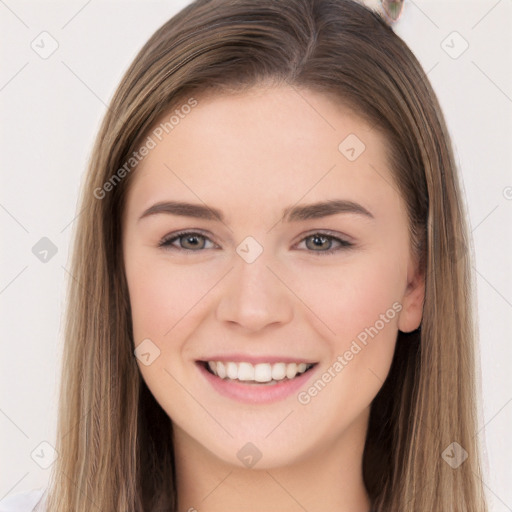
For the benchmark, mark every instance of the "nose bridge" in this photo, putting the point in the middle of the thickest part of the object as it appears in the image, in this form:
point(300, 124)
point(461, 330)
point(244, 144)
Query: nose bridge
point(254, 296)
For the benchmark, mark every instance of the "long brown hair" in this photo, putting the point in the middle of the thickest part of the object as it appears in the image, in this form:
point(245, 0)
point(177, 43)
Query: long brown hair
point(115, 451)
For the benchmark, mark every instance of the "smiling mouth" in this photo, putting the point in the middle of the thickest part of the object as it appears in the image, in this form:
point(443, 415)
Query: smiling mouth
point(257, 374)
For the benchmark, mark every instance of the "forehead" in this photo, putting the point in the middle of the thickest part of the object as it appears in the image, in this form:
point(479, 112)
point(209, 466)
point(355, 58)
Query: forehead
point(277, 143)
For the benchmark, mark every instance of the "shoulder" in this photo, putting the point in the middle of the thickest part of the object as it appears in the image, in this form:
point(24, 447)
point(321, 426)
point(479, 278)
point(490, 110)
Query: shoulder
point(29, 501)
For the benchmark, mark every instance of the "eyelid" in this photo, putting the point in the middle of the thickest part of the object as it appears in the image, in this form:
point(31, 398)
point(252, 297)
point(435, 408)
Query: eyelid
point(328, 233)
point(343, 240)
point(165, 241)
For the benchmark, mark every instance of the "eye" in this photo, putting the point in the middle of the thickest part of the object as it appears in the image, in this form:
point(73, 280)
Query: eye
point(193, 241)
point(190, 241)
point(323, 240)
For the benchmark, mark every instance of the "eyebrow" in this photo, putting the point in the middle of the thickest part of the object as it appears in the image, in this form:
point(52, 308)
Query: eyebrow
point(290, 214)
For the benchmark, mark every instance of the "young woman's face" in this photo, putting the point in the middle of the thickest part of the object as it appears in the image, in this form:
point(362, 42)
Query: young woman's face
point(274, 286)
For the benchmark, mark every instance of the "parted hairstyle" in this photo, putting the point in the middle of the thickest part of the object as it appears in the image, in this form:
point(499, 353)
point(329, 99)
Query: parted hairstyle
point(113, 438)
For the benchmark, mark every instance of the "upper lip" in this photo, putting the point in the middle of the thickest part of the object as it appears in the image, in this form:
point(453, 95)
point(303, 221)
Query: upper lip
point(239, 358)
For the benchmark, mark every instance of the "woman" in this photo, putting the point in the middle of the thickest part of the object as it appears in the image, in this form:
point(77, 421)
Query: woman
point(270, 307)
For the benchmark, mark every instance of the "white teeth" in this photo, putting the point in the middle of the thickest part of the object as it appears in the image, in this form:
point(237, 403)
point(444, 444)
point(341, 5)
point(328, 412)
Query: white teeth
point(232, 370)
point(279, 371)
point(261, 372)
point(291, 370)
point(220, 370)
point(245, 371)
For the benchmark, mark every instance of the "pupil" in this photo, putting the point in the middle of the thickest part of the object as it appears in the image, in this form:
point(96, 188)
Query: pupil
point(318, 240)
point(192, 240)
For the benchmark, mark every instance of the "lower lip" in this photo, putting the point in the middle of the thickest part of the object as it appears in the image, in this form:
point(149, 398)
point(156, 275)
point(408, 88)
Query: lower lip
point(254, 393)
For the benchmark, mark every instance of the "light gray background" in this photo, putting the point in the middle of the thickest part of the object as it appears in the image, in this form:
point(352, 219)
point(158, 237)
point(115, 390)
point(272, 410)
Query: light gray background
point(50, 112)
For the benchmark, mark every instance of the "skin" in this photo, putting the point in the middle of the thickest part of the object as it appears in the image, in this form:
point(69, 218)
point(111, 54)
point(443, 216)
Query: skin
point(251, 155)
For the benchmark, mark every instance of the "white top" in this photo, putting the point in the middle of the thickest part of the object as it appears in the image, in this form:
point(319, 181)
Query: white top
point(29, 501)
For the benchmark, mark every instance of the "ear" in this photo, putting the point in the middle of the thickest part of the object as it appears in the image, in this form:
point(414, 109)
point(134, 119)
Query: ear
point(413, 299)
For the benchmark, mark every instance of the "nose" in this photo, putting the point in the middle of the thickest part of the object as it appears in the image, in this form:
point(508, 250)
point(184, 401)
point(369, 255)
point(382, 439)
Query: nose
point(255, 296)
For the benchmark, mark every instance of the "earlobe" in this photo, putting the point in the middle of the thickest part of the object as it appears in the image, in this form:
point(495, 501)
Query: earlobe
point(412, 304)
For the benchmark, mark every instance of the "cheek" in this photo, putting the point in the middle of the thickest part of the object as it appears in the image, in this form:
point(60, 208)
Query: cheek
point(364, 319)
point(353, 296)
point(160, 295)
point(360, 304)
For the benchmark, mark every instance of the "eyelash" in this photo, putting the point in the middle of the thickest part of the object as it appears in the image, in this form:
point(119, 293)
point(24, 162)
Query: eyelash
point(165, 243)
